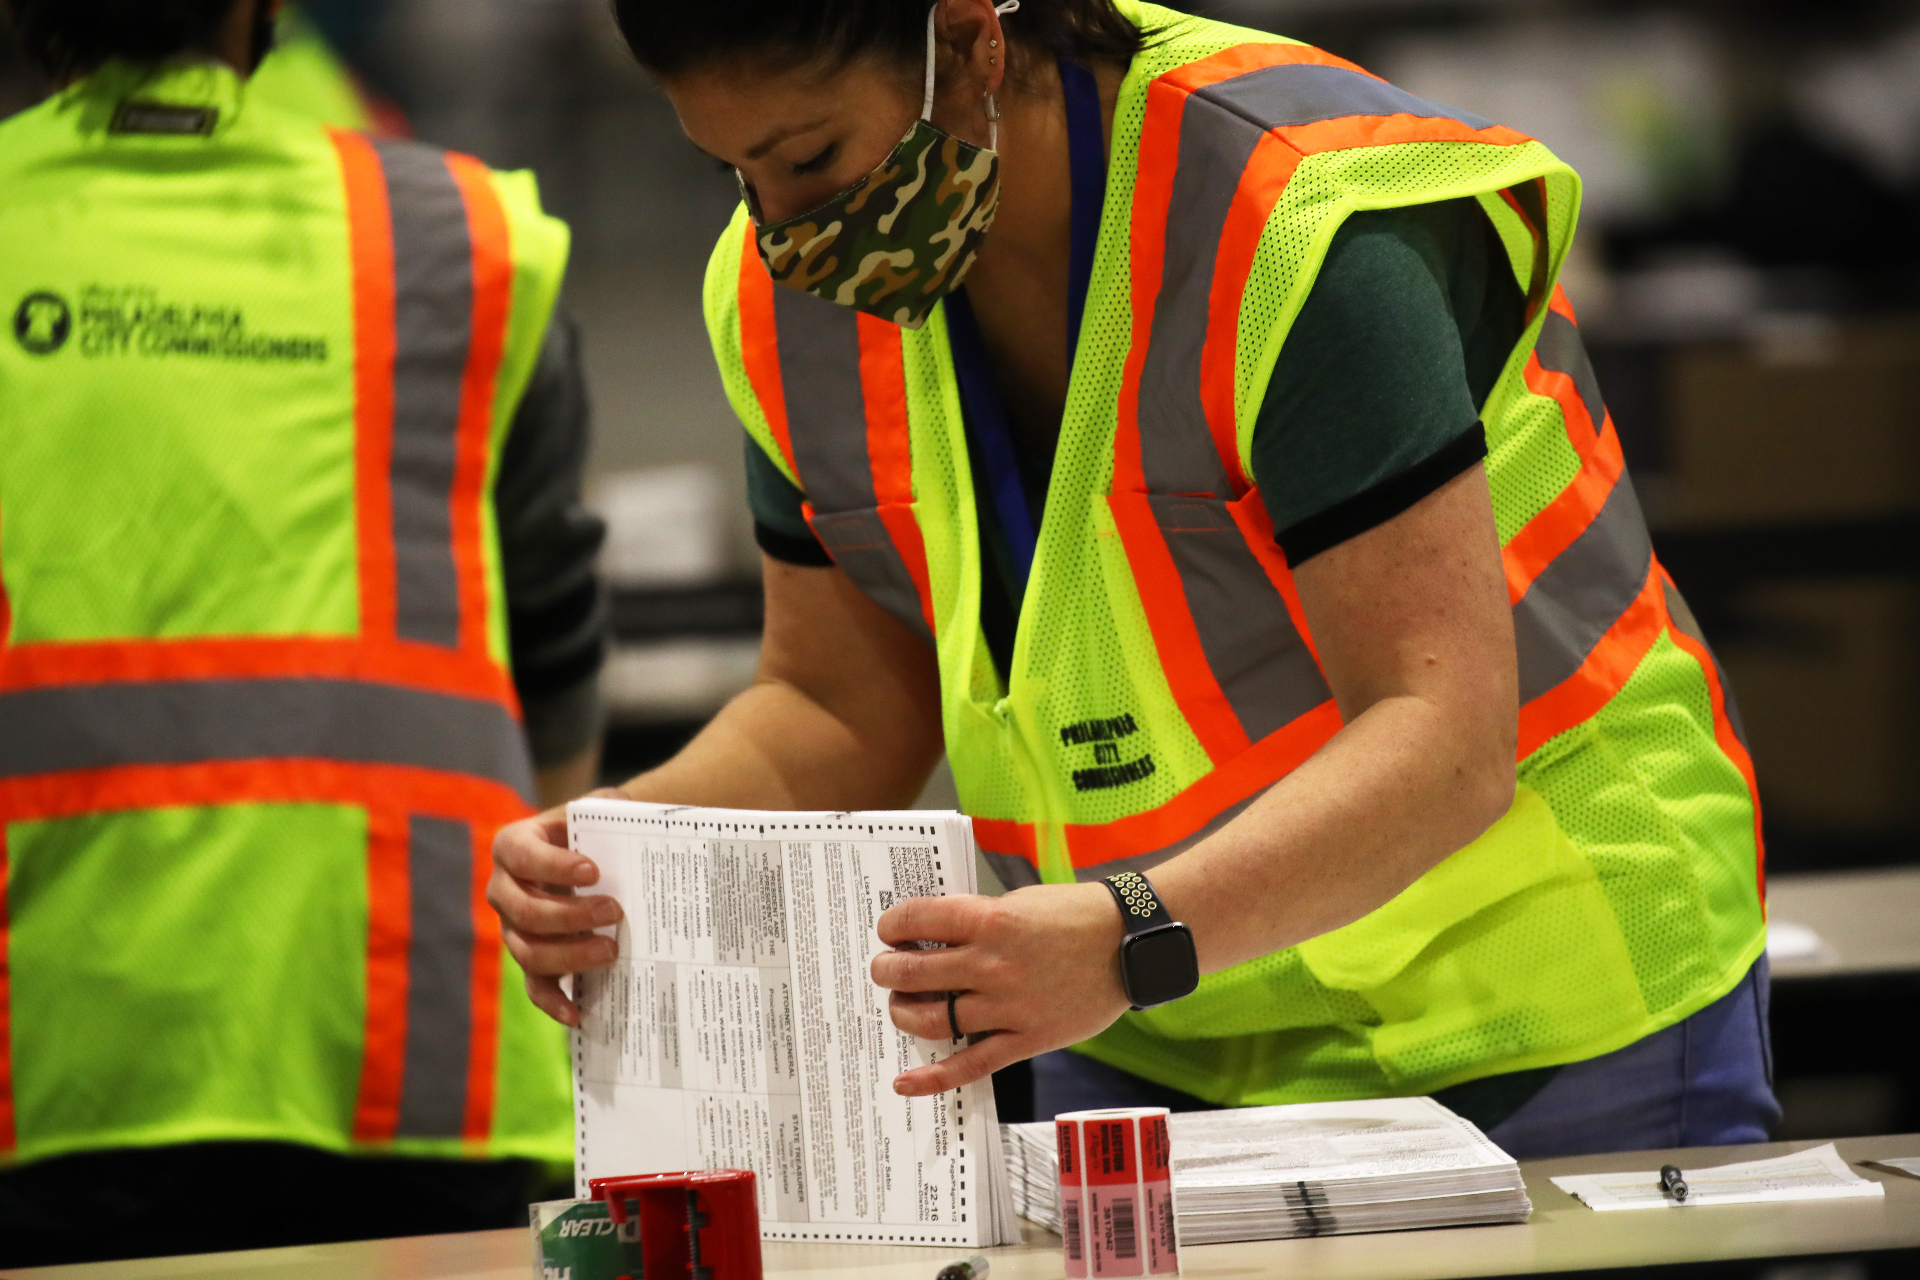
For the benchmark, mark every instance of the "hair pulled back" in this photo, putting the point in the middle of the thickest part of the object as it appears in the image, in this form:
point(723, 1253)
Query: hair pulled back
point(73, 37)
point(672, 36)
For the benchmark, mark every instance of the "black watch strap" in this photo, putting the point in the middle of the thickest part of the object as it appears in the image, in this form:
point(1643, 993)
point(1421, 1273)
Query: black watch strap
point(1140, 907)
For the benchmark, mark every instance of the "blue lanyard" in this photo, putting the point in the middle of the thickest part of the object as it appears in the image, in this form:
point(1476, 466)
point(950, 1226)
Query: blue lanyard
point(988, 429)
point(1087, 160)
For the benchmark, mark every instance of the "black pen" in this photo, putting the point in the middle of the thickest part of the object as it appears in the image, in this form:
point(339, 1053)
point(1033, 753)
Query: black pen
point(1672, 1183)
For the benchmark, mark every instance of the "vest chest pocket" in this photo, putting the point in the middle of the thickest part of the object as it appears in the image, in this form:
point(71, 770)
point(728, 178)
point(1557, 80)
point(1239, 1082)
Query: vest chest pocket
point(881, 550)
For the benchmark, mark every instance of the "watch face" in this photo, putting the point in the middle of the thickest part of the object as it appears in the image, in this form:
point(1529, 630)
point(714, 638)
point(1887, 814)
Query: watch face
point(1159, 965)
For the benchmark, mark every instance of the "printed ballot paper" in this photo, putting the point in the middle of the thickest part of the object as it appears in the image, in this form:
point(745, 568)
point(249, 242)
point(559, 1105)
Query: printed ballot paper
point(740, 1028)
point(1817, 1174)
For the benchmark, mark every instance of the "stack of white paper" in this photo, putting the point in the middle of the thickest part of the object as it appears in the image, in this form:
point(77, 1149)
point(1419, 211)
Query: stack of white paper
point(740, 1028)
point(1314, 1169)
point(1818, 1174)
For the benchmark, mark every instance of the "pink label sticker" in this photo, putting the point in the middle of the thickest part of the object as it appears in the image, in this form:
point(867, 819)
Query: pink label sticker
point(1112, 1155)
point(1156, 1177)
point(1072, 1199)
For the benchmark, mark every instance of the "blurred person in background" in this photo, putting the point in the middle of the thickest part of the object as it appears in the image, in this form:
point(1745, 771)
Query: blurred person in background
point(1250, 519)
point(297, 605)
point(305, 75)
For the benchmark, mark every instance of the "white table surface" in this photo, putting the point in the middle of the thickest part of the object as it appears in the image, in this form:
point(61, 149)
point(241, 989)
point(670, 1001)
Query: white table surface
point(1870, 921)
point(1563, 1235)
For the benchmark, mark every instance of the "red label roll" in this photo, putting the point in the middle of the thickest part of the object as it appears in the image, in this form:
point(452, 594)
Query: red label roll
point(1116, 1193)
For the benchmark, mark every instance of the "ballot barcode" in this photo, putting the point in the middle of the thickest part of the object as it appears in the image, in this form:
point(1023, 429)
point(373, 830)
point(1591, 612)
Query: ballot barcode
point(1126, 1239)
point(1070, 1228)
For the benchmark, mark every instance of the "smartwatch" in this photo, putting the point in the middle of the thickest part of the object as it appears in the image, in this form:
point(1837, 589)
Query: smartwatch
point(1157, 960)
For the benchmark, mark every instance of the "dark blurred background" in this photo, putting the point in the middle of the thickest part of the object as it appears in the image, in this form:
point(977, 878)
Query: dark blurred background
point(1747, 273)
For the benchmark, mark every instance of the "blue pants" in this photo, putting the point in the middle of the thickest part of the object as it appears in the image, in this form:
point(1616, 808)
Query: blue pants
point(1705, 1081)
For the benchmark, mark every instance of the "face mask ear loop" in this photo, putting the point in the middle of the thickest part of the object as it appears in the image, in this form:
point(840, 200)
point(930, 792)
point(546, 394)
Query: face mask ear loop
point(926, 103)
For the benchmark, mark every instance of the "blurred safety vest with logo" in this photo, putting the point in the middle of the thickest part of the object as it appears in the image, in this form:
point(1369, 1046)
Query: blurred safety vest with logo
point(257, 726)
point(1162, 674)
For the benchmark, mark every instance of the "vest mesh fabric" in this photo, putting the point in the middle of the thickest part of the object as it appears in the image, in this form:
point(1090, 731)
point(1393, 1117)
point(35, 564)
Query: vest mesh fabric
point(1617, 896)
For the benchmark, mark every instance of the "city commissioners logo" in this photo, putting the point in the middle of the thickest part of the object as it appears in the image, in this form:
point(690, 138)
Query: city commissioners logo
point(42, 323)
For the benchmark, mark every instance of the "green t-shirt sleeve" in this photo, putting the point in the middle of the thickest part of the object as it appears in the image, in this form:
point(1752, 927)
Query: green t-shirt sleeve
point(1374, 400)
point(779, 524)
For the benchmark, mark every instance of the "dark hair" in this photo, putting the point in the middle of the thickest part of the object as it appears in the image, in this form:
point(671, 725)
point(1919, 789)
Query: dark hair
point(671, 36)
point(73, 37)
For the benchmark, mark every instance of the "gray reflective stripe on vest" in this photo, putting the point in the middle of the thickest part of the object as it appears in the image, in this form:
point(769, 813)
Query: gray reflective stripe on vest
point(433, 1084)
point(1300, 93)
point(859, 543)
point(1177, 453)
point(51, 730)
point(1561, 351)
point(827, 426)
point(1578, 597)
point(1257, 656)
point(1265, 669)
point(433, 322)
point(1219, 128)
point(826, 413)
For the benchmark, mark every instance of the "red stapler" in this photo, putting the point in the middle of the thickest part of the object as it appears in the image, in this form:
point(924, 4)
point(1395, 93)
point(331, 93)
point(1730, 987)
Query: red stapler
point(700, 1226)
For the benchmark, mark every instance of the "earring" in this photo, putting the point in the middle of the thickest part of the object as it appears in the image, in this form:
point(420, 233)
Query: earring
point(992, 103)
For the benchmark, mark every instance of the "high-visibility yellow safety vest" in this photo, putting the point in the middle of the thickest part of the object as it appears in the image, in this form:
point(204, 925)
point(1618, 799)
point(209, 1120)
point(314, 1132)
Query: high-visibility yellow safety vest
point(1162, 674)
point(257, 726)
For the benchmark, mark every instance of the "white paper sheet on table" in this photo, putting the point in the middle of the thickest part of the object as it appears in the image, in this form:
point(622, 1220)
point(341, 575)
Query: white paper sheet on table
point(1816, 1174)
point(1909, 1165)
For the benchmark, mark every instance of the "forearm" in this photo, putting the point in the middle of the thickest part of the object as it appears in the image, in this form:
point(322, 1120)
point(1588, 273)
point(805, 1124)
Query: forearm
point(567, 780)
point(1387, 799)
point(844, 712)
point(773, 747)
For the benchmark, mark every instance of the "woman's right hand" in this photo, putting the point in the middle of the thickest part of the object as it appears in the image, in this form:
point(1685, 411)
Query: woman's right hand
point(547, 925)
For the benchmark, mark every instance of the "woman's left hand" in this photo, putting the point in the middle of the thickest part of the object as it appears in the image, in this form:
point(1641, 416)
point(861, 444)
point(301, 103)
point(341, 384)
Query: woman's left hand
point(1038, 968)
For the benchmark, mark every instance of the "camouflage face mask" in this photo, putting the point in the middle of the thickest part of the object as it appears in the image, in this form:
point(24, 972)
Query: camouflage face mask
point(895, 242)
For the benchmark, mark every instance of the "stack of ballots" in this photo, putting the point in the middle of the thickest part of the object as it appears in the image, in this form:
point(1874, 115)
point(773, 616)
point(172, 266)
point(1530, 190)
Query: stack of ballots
point(1312, 1169)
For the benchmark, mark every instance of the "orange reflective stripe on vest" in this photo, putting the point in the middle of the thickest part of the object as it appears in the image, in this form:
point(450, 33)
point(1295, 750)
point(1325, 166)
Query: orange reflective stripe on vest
point(1221, 138)
point(411, 719)
point(427, 364)
point(835, 383)
point(1559, 369)
point(760, 345)
point(1728, 731)
point(433, 969)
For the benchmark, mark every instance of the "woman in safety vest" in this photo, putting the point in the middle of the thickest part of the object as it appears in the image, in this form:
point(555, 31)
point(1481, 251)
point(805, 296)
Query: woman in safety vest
point(1185, 430)
point(297, 607)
